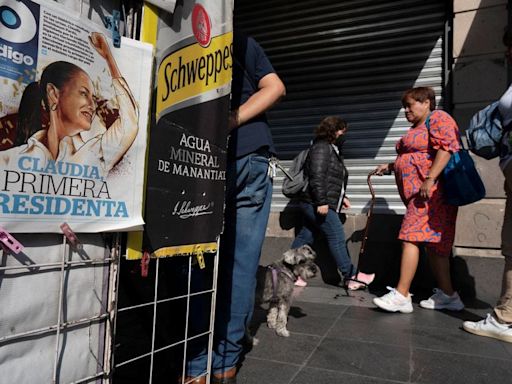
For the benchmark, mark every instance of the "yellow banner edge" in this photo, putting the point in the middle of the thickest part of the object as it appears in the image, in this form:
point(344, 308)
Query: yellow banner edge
point(186, 250)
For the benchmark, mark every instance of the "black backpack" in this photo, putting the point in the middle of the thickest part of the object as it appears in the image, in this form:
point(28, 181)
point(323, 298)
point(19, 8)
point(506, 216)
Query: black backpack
point(296, 181)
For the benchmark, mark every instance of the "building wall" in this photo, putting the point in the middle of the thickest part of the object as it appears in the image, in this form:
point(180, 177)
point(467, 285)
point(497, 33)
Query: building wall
point(479, 76)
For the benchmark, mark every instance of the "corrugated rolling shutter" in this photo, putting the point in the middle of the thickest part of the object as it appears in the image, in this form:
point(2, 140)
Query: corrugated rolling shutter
point(353, 59)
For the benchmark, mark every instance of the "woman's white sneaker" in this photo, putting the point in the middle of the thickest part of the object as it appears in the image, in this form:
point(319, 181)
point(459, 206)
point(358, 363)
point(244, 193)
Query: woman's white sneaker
point(440, 300)
point(489, 327)
point(394, 301)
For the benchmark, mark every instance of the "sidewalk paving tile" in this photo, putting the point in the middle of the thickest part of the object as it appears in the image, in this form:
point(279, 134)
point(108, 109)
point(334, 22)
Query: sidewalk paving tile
point(434, 367)
point(340, 337)
point(361, 358)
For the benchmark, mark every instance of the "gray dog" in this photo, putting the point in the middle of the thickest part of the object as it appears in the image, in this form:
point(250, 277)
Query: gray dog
point(276, 282)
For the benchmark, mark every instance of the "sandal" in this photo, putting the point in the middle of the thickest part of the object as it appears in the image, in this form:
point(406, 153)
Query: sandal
point(360, 281)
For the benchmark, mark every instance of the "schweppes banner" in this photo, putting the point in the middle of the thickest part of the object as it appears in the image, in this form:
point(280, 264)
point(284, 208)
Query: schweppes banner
point(188, 137)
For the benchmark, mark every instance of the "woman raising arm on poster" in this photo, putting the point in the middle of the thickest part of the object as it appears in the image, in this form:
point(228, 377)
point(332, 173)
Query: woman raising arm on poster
point(67, 95)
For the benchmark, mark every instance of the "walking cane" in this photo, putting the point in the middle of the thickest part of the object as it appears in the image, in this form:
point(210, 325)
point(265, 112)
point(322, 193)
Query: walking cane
point(368, 216)
point(365, 237)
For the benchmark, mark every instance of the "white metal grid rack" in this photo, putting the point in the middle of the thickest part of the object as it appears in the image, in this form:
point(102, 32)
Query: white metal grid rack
point(59, 311)
point(162, 317)
point(57, 307)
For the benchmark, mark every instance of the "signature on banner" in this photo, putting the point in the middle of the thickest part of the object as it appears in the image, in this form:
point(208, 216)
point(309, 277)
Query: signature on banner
point(185, 210)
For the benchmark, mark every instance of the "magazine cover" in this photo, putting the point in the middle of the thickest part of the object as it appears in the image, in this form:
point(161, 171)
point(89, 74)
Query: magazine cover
point(73, 122)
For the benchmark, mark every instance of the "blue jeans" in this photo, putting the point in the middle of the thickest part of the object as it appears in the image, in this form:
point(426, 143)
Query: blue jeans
point(332, 229)
point(248, 198)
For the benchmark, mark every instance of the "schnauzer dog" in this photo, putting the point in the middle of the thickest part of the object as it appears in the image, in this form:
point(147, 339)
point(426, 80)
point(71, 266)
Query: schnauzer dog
point(276, 282)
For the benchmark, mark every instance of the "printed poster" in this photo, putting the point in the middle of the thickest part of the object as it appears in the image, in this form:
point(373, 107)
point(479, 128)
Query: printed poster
point(73, 122)
point(188, 137)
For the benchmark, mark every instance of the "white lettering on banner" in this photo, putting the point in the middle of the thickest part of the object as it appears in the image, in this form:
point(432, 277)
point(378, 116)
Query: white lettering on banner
point(164, 166)
point(198, 173)
point(184, 210)
point(194, 142)
point(200, 159)
point(202, 165)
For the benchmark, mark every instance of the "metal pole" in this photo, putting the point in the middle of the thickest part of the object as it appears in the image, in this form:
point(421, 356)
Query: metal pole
point(187, 318)
point(108, 359)
point(51, 328)
point(154, 321)
point(58, 264)
point(212, 311)
point(59, 314)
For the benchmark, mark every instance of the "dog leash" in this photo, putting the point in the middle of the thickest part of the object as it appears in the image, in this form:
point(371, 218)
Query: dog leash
point(275, 272)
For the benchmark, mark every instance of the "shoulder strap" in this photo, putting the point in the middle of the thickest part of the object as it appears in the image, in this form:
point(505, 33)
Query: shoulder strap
point(427, 124)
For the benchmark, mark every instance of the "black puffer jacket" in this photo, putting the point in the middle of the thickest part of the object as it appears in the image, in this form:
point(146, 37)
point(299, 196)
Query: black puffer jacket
point(327, 175)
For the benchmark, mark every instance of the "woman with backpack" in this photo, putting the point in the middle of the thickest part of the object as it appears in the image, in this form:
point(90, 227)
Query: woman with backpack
point(325, 196)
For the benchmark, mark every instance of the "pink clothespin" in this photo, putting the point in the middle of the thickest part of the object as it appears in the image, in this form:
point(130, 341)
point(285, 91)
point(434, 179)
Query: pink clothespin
point(9, 242)
point(144, 264)
point(70, 235)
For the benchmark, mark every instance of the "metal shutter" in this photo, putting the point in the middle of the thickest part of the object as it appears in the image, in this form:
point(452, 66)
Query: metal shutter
point(353, 59)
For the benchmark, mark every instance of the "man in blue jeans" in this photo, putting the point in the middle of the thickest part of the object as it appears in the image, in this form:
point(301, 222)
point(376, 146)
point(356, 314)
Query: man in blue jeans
point(255, 88)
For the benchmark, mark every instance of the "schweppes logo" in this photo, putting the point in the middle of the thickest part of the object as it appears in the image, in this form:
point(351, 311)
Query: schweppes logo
point(194, 70)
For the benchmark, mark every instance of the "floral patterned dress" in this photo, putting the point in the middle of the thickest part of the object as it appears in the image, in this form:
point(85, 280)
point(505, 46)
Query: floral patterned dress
point(429, 221)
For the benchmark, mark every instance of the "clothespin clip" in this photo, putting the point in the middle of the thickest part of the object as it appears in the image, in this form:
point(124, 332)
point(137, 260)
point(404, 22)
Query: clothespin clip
point(70, 235)
point(144, 264)
point(9, 242)
point(112, 24)
point(200, 259)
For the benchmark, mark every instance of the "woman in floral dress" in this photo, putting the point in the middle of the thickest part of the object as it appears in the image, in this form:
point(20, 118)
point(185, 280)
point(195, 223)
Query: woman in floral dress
point(429, 221)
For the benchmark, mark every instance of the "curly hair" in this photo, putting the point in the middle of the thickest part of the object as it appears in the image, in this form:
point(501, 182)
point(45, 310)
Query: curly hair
point(329, 126)
point(421, 94)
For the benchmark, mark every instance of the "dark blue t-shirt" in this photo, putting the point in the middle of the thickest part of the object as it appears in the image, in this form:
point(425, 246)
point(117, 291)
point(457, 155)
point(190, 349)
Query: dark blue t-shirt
point(249, 67)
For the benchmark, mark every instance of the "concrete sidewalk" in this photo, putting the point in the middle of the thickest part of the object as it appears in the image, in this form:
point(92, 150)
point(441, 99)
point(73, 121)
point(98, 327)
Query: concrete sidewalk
point(340, 338)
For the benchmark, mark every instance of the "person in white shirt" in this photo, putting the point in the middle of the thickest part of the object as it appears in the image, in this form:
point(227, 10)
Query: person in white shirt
point(498, 325)
point(66, 93)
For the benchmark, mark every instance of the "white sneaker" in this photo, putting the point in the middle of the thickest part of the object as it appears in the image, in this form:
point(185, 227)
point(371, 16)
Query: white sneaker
point(489, 327)
point(440, 300)
point(394, 301)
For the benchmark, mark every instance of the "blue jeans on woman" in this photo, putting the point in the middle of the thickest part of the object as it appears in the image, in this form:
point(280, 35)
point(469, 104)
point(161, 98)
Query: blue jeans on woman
point(332, 229)
point(248, 198)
